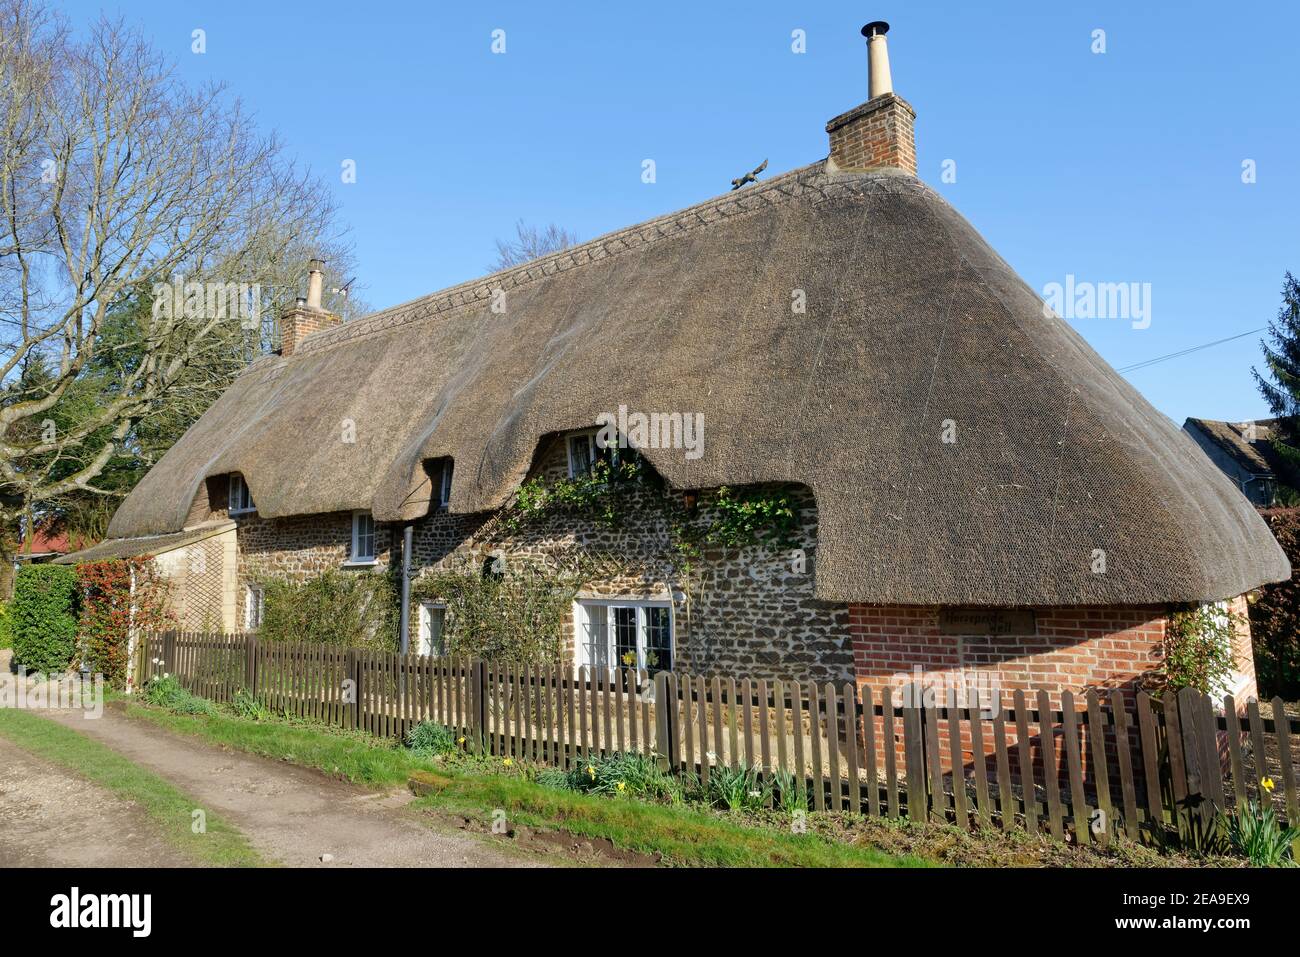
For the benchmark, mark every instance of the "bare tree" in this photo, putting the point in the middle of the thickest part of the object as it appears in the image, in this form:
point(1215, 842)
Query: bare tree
point(148, 236)
point(530, 243)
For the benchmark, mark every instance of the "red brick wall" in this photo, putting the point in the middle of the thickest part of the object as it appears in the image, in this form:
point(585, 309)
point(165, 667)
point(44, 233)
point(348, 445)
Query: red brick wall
point(1073, 648)
point(878, 133)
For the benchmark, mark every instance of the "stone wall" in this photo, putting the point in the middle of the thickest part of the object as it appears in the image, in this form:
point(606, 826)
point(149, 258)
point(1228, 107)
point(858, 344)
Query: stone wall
point(749, 612)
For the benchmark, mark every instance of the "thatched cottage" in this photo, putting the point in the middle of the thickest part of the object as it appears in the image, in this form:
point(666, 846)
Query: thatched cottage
point(972, 489)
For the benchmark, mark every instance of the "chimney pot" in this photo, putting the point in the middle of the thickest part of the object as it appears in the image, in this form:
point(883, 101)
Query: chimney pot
point(315, 283)
point(306, 315)
point(879, 82)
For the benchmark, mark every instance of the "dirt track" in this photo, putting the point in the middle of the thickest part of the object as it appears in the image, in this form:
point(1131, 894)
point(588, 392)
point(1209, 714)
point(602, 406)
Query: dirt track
point(290, 814)
point(52, 817)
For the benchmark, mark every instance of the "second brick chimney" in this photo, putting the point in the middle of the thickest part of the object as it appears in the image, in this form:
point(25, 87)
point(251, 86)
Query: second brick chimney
point(306, 315)
point(881, 132)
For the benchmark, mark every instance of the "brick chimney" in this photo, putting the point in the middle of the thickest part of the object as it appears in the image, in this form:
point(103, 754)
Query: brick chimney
point(306, 315)
point(879, 133)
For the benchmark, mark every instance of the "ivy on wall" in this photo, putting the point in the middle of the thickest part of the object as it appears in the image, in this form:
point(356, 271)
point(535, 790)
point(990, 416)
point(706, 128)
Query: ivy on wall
point(505, 610)
point(349, 609)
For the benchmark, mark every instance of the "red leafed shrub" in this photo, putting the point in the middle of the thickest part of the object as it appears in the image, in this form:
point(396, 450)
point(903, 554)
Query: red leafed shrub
point(1275, 615)
point(118, 596)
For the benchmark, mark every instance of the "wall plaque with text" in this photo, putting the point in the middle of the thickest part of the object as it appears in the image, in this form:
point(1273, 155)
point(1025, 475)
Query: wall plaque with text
point(986, 621)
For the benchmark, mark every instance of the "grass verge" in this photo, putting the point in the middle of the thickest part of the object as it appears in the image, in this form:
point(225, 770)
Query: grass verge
point(683, 836)
point(358, 758)
point(170, 809)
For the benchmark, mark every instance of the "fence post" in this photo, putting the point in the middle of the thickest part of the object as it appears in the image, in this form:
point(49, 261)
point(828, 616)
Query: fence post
point(1200, 757)
point(914, 752)
point(169, 652)
point(479, 704)
point(352, 715)
point(250, 664)
point(666, 724)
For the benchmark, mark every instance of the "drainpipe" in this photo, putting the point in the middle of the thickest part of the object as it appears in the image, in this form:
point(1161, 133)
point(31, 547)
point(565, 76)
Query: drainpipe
point(407, 536)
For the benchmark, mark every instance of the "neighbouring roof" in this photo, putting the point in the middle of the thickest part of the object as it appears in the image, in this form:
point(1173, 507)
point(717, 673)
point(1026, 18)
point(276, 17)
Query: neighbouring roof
point(912, 322)
point(51, 538)
point(1257, 457)
point(139, 546)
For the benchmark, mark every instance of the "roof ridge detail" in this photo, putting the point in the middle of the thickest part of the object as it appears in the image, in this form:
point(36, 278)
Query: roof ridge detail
point(812, 178)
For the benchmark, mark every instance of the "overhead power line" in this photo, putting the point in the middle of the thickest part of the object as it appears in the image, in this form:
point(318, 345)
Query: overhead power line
point(1183, 352)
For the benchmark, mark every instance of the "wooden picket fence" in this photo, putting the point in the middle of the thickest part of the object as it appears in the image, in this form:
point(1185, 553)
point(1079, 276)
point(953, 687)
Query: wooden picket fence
point(1086, 770)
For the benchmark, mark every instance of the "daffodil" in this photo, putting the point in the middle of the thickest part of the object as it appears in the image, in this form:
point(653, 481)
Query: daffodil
point(622, 786)
point(461, 739)
point(591, 770)
point(507, 762)
point(1267, 784)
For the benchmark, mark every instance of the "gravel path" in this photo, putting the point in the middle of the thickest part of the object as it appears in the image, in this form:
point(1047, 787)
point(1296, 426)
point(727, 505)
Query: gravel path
point(53, 817)
point(294, 815)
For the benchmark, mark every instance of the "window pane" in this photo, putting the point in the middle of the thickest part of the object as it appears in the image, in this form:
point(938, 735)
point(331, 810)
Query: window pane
point(625, 637)
point(596, 637)
point(431, 622)
point(363, 535)
point(446, 484)
point(658, 639)
point(580, 455)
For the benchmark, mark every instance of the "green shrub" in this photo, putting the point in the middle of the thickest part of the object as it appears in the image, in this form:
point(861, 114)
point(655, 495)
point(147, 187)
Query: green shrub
point(737, 789)
point(1197, 649)
point(791, 793)
point(1254, 833)
point(556, 778)
point(427, 738)
point(44, 612)
point(618, 775)
point(246, 705)
point(6, 627)
point(350, 609)
point(166, 692)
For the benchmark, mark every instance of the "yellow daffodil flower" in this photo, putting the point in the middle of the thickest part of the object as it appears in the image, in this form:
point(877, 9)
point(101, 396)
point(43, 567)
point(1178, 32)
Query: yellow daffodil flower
point(1267, 784)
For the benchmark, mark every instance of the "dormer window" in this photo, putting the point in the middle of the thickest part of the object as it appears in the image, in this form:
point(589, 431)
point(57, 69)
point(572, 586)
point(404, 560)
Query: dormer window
point(585, 452)
point(241, 500)
point(444, 491)
point(363, 539)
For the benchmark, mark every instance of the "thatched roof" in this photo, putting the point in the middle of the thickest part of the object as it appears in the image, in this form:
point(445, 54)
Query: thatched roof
point(911, 320)
point(1257, 457)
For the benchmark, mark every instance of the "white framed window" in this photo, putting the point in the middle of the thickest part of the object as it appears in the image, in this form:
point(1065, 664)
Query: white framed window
point(444, 490)
point(433, 615)
point(363, 538)
point(253, 604)
point(624, 633)
point(240, 499)
point(585, 452)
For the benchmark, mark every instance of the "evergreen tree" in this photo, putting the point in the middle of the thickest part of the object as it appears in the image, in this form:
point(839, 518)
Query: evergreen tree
point(1281, 386)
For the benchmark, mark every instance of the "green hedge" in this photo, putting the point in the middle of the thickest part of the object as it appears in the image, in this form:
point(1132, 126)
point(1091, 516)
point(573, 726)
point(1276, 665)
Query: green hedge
point(1275, 617)
point(6, 627)
point(44, 617)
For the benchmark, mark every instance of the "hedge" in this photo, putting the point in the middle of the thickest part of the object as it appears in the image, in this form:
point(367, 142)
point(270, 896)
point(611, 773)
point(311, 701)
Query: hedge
point(44, 614)
point(1275, 615)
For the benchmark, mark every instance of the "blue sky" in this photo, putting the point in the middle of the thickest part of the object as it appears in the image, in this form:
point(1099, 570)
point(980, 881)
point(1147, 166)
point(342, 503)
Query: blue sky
point(1122, 166)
